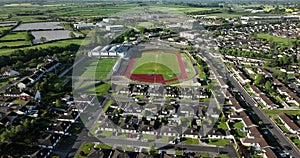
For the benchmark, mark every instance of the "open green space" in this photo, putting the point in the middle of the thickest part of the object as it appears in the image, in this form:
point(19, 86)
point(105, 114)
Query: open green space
point(190, 69)
point(275, 39)
point(99, 69)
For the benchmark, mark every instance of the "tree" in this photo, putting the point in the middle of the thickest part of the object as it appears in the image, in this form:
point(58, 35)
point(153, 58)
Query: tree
point(57, 87)
point(57, 103)
point(72, 35)
point(268, 86)
point(259, 79)
point(29, 36)
point(43, 39)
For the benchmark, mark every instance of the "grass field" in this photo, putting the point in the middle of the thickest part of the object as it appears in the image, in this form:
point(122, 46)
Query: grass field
point(275, 39)
point(5, 28)
point(15, 44)
point(155, 68)
point(191, 71)
point(157, 63)
point(99, 69)
point(14, 36)
point(62, 43)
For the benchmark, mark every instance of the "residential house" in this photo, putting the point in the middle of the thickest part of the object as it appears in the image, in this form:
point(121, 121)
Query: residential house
point(190, 133)
point(267, 102)
point(60, 127)
point(289, 123)
point(99, 153)
point(169, 131)
point(255, 90)
point(236, 106)
point(107, 125)
point(9, 118)
point(40, 153)
point(70, 116)
point(49, 141)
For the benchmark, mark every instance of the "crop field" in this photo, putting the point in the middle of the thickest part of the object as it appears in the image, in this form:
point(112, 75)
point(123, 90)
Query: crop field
point(51, 35)
point(38, 26)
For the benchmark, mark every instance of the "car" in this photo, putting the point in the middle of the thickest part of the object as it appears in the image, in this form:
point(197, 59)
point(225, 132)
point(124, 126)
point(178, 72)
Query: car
point(287, 147)
point(144, 140)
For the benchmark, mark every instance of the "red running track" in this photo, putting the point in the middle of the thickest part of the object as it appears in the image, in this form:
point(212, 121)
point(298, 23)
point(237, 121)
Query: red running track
point(155, 78)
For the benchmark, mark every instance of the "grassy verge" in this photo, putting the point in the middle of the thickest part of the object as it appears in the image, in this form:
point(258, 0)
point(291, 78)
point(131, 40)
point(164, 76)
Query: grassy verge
point(276, 112)
point(218, 142)
point(191, 141)
point(85, 148)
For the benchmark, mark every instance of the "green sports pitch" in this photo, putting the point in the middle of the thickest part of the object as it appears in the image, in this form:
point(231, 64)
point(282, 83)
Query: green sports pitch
point(157, 63)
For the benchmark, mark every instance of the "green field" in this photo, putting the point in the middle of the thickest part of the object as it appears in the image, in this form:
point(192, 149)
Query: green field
point(157, 63)
point(155, 68)
point(5, 28)
point(15, 44)
point(191, 71)
point(275, 39)
point(99, 69)
point(14, 36)
point(62, 43)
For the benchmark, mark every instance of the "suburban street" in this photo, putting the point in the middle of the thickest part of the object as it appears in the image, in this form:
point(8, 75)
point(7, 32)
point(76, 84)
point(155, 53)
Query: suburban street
point(281, 138)
point(85, 137)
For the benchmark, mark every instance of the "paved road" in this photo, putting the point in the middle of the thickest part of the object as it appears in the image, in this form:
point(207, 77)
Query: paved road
point(281, 138)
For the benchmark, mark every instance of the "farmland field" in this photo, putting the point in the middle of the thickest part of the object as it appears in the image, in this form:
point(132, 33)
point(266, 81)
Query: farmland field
point(14, 36)
point(38, 26)
point(62, 43)
point(51, 35)
point(7, 23)
point(14, 44)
